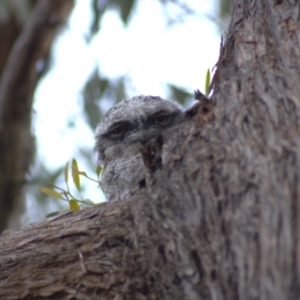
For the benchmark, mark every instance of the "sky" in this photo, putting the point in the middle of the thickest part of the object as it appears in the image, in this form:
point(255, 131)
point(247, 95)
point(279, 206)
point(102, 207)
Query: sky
point(147, 52)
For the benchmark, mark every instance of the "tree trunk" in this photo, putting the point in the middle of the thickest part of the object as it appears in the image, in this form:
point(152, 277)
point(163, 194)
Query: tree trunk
point(218, 217)
point(19, 78)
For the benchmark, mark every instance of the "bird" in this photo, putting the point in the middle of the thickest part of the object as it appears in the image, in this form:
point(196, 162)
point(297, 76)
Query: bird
point(121, 135)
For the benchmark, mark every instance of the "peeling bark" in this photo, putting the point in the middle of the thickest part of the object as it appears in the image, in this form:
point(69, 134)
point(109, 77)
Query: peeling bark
point(218, 218)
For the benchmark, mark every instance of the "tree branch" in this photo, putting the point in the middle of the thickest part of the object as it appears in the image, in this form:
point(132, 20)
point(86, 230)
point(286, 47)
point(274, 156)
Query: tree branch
point(218, 216)
point(18, 82)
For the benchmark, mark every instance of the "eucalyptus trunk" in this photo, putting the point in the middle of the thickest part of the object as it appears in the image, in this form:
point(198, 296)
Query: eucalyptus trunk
point(218, 217)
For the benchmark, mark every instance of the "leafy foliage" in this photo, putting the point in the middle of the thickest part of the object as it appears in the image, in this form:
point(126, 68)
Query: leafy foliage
point(125, 8)
point(65, 194)
point(179, 94)
point(224, 8)
point(94, 89)
point(97, 88)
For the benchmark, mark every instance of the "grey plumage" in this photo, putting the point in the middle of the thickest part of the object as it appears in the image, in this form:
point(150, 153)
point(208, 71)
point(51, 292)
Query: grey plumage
point(122, 132)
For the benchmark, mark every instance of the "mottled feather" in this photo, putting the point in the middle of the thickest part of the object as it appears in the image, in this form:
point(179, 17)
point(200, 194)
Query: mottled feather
point(122, 133)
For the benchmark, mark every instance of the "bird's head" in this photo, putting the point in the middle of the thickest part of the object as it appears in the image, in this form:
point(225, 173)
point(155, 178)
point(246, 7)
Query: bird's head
point(133, 122)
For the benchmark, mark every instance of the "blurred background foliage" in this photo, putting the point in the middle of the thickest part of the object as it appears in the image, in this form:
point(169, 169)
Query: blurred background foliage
point(100, 91)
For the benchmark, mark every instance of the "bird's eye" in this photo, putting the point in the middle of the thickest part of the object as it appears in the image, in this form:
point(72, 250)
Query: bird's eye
point(118, 130)
point(161, 119)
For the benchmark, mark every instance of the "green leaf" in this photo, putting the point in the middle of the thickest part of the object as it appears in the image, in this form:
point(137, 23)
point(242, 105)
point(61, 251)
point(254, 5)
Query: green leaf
point(75, 174)
point(73, 204)
point(224, 8)
point(207, 82)
point(94, 89)
point(82, 173)
point(66, 172)
point(53, 214)
point(179, 94)
point(126, 8)
point(51, 193)
point(98, 170)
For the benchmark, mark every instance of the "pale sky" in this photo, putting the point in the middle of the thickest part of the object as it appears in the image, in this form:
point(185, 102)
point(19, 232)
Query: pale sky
point(147, 52)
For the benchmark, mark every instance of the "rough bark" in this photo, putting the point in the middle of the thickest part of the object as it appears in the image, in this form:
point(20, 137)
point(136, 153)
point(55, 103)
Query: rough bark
point(218, 217)
point(18, 81)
